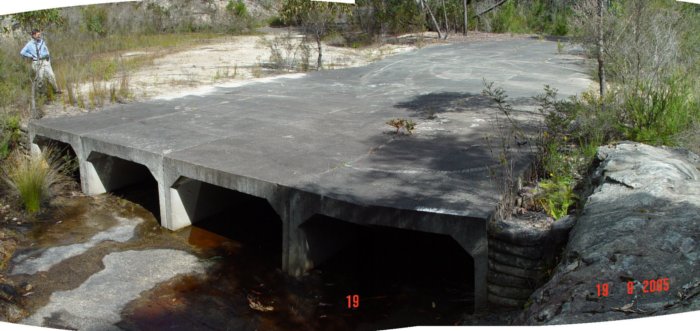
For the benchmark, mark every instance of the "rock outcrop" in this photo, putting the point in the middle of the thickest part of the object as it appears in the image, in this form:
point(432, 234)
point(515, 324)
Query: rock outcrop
point(638, 237)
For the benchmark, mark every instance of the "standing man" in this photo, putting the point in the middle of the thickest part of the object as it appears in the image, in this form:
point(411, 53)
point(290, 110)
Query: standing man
point(37, 51)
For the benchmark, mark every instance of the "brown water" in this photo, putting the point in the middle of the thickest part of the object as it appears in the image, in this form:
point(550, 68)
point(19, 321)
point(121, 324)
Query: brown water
point(402, 278)
point(392, 290)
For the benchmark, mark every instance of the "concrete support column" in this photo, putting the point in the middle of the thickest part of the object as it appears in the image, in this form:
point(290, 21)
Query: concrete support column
point(296, 250)
point(163, 189)
point(188, 201)
point(90, 179)
point(478, 249)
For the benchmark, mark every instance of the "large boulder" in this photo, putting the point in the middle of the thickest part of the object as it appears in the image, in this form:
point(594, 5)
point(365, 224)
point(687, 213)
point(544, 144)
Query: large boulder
point(639, 232)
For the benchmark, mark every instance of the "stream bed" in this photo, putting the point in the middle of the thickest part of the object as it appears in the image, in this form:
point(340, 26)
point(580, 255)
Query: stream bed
point(104, 263)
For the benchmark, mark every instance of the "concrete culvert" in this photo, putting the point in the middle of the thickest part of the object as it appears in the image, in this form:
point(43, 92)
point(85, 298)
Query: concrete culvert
point(413, 272)
point(241, 217)
point(126, 179)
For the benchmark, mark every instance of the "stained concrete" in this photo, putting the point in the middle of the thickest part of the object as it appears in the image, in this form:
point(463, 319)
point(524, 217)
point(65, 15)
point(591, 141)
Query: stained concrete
point(318, 144)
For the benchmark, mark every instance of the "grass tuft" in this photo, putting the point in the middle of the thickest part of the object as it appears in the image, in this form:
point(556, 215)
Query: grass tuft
point(33, 177)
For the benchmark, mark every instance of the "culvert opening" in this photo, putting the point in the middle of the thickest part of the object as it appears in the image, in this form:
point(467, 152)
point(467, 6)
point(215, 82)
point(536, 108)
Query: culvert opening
point(63, 153)
point(245, 220)
point(128, 180)
point(408, 277)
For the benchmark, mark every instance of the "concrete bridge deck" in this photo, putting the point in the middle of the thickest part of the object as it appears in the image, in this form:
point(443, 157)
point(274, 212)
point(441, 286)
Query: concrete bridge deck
point(317, 144)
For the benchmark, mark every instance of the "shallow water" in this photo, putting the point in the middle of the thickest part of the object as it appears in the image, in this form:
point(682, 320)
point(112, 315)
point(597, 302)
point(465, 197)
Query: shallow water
point(401, 278)
point(392, 290)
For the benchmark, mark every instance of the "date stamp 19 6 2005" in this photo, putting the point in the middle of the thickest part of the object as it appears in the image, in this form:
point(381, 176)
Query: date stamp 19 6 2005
point(648, 286)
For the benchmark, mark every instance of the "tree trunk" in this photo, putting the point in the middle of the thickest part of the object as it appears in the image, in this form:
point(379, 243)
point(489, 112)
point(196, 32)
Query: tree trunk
point(466, 19)
point(447, 26)
point(601, 67)
point(432, 17)
point(319, 62)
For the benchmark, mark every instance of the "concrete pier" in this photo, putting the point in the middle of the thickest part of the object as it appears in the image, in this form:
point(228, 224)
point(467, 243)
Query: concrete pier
point(317, 144)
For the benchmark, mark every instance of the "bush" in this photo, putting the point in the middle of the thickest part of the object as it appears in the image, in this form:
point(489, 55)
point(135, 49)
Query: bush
point(15, 75)
point(556, 196)
point(95, 20)
point(239, 19)
point(237, 8)
point(288, 53)
point(10, 134)
point(533, 16)
point(509, 19)
point(658, 114)
point(33, 177)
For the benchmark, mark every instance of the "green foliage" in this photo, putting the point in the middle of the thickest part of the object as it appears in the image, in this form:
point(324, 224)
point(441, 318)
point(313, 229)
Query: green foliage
point(509, 19)
point(564, 150)
point(239, 19)
point(32, 177)
point(656, 114)
point(237, 8)
point(14, 75)
point(10, 133)
point(534, 16)
point(95, 19)
point(312, 14)
point(40, 19)
point(375, 17)
point(409, 125)
point(556, 196)
point(159, 18)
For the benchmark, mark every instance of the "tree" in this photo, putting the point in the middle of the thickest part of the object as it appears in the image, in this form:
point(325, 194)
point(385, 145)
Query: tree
point(635, 42)
point(466, 17)
point(601, 66)
point(316, 19)
point(39, 19)
point(426, 6)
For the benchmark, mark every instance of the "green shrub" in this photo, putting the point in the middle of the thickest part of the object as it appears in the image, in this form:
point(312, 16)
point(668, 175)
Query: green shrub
point(556, 196)
point(239, 19)
point(95, 20)
point(40, 19)
point(658, 113)
point(509, 19)
point(32, 177)
point(14, 75)
point(535, 16)
point(237, 8)
point(10, 134)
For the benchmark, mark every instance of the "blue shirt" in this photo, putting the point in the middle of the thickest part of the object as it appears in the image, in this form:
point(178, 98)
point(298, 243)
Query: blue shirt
point(31, 48)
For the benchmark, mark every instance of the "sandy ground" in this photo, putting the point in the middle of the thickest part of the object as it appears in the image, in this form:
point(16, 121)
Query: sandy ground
point(237, 60)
